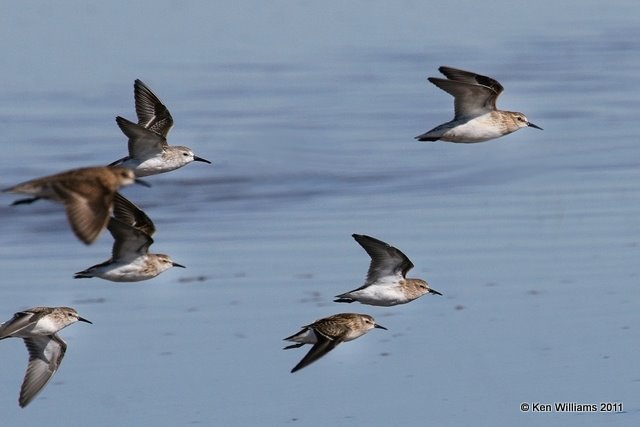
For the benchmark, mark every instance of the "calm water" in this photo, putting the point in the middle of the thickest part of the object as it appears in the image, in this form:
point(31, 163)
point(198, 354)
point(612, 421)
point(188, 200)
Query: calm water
point(308, 112)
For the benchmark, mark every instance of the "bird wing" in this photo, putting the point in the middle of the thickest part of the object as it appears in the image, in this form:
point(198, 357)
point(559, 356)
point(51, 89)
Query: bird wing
point(388, 264)
point(45, 355)
point(152, 113)
point(470, 77)
point(88, 213)
point(129, 242)
point(18, 322)
point(474, 94)
point(143, 142)
point(323, 346)
point(125, 211)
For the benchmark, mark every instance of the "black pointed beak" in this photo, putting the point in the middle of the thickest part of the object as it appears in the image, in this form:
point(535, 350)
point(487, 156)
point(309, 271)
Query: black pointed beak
point(175, 264)
point(531, 125)
point(380, 327)
point(25, 201)
point(82, 319)
point(433, 291)
point(200, 159)
point(143, 183)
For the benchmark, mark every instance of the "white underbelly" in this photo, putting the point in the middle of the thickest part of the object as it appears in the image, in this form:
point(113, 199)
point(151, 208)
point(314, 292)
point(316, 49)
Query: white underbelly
point(475, 130)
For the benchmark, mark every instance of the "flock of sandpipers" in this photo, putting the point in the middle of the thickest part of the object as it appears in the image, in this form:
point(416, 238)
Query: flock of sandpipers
point(92, 202)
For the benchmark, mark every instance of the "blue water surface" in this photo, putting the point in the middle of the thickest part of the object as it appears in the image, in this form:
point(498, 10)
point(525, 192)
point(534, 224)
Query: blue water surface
point(308, 112)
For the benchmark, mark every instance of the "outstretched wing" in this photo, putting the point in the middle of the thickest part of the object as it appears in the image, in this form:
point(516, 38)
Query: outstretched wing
point(388, 264)
point(45, 355)
point(474, 94)
point(152, 113)
point(323, 346)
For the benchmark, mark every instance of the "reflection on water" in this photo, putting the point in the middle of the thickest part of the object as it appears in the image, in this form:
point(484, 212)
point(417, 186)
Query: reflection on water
point(533, 238)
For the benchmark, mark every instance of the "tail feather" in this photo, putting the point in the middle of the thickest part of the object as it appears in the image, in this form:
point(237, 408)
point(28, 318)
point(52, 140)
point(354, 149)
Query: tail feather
point(344, 299)
point(293, 346)
point(82, 275)
point(424, 137)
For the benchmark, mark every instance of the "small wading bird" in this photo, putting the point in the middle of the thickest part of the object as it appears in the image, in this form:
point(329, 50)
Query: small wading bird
point(39, 327)
point(476, 117)
point(325, 334)
point(87, 195)
point(386, 282)
point(130, 260)
point(149, 152)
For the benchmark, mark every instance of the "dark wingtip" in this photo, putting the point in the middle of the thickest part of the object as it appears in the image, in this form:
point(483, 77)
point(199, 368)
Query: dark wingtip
point(119, 161)
point(87, 240)
point(362, 236)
